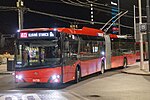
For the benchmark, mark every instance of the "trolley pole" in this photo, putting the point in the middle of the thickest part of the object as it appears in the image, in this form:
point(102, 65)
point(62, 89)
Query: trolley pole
point(141, 37)
point(148, 30)
point(20, 13)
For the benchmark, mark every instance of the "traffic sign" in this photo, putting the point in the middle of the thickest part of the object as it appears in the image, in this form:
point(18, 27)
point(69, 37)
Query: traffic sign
point(143, 27)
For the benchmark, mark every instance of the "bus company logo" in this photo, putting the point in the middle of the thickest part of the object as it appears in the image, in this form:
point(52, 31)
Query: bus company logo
point(24, 35)
point(36, 73)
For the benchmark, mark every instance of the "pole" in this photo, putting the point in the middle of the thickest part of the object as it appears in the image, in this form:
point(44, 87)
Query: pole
point(134, 23)
point(119, 19)
point(141, 38)
point(148, 30)
point(20, 14)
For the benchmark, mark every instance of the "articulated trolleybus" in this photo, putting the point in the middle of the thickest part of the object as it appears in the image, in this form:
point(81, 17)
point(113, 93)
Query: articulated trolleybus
point(50, 55)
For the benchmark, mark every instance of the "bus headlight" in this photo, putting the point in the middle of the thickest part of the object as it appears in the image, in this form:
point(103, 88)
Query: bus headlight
point(19, 77)
point(55, 78)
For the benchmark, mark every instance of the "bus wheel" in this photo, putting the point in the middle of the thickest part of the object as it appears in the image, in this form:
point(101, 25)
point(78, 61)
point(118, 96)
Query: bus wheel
point(125, 63)
point(102, 68)
point(78, 75)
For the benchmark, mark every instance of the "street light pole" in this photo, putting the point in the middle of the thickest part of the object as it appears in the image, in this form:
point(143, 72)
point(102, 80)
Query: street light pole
point(119, 19)
point(20, 13)
point(135, 23)
point(141, 37)
point(148, 29)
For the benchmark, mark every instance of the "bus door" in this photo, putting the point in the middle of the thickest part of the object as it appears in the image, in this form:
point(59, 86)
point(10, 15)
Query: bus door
point(70, 50)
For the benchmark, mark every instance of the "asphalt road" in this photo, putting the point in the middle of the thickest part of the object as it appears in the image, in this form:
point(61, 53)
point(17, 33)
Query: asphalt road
point(112, 85)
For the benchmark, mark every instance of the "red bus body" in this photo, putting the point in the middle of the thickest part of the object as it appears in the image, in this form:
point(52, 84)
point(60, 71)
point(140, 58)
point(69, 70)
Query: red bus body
point(38, 75)
point(145, 50)
point(65, 73)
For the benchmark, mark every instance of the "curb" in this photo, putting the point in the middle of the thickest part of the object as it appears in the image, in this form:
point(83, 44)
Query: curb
point(6, 73)
point(135, 73)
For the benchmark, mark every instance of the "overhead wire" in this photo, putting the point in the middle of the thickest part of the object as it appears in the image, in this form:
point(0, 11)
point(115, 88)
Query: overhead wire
point(63, 17)
point(89, 5)
point(103, 6)
point(86, 6)
point(49, 1)
point(81, 4)
point(107, 6)
point(69, 18)
point(100, 7)
point(3, 8)
point(69, 2)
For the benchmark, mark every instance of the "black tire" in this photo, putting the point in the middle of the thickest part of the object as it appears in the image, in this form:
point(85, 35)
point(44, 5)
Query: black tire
point(78, 75)
point(102, 68)
point(125, 63)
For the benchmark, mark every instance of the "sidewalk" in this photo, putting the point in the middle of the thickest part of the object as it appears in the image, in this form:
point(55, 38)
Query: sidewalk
point(135, 69)
point(3, 70)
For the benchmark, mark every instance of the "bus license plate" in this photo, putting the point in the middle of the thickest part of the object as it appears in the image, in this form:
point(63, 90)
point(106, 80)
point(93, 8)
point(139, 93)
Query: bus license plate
point(36, 80)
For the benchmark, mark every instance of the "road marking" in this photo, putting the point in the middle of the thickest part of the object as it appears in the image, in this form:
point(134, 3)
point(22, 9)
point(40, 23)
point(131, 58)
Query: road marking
point(8, 97)
point(30, 97)
point(24, 97)
point(79, 96)
point(55, 95)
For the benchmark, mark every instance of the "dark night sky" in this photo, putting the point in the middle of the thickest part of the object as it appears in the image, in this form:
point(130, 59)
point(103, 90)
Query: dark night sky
point(9, 20)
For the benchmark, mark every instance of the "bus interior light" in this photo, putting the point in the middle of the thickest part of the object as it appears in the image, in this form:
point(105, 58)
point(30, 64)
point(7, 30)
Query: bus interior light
point(55, 29)
point(103, 53)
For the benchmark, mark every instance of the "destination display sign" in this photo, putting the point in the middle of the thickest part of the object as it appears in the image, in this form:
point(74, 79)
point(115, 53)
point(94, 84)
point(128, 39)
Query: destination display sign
point(35, 35)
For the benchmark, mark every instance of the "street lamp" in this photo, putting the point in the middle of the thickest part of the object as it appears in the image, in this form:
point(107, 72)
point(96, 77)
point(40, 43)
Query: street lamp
point(141, 37)
point(20, 6)
point(148, 29)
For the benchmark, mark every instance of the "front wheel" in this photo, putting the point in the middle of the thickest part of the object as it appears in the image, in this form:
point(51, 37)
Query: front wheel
point(125, 63)
point(102, 68)
point(78, 75)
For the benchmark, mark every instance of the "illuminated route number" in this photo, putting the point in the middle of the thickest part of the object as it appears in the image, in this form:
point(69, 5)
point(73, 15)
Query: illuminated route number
point(23, 35)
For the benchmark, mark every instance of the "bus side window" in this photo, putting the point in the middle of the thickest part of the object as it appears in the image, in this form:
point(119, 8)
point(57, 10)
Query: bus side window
point(66, 46)
point(114, 53)
point(25, 56)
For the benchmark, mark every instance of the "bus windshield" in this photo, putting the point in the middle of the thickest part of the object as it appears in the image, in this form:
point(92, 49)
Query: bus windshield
point(38, 53)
